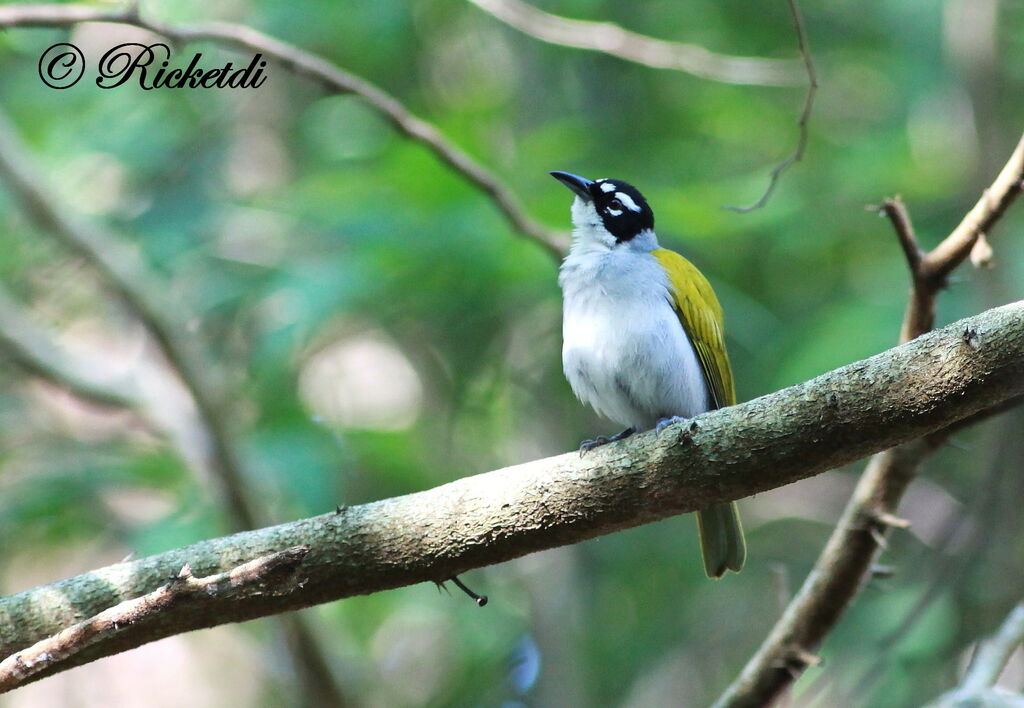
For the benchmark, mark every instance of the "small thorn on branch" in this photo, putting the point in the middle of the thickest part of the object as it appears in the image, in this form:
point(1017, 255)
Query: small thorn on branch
point(795, 659)
point(480, 600)
point(804, 658)
point(882, 572)
point(890, 520)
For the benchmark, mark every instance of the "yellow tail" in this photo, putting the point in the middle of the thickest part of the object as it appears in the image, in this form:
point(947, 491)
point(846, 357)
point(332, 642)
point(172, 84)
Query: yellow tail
point(721, 539)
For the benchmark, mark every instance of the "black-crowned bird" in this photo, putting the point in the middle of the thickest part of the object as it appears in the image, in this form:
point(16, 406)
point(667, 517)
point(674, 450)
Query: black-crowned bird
point(642, 335)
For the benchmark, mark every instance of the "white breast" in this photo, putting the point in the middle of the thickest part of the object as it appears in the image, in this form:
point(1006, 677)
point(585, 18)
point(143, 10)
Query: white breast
point(624, 351)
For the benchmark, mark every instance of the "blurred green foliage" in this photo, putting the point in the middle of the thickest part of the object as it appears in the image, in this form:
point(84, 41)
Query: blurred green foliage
point(288, 227)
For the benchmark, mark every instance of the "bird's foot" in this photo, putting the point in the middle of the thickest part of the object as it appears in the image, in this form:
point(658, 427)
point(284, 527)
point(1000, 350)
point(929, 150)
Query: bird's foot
point(665, 422)
point(588, 445)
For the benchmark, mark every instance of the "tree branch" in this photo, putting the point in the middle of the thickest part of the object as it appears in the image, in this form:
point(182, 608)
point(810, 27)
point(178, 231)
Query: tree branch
point(328, 75)
point(271, 574)
point(611, 39)
point(847, 558)
point(898, 395)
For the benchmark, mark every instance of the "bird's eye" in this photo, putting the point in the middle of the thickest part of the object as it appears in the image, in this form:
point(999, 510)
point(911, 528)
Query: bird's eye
point(615, 204)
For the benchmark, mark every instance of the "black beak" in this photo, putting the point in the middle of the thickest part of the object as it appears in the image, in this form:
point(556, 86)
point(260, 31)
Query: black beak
point(579, 185)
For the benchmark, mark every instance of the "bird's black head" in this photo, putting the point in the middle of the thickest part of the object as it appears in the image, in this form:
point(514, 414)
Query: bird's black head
point(622, 209)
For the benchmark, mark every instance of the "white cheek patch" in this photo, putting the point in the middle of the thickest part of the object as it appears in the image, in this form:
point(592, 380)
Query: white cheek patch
point(607, 187)
point(626, 200)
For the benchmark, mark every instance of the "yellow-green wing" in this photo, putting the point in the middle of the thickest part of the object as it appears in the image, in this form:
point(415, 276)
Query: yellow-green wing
point(701, 316)
point(721, 535)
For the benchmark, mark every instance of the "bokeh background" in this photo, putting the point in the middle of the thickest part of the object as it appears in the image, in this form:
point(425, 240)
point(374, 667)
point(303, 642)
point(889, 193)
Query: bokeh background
point(377, 328)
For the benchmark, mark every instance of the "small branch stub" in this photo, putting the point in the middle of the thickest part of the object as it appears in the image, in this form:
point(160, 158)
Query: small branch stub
point(981, 252)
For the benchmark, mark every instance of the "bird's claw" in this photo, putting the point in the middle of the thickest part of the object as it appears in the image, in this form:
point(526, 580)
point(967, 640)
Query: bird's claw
point(588, 445)
point(665, 422)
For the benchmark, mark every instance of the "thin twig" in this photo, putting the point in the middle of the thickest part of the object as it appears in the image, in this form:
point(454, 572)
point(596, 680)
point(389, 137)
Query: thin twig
point(838, 575)
point(612, 39)
point(272, 574)
point(328, 75)
point(805, 115)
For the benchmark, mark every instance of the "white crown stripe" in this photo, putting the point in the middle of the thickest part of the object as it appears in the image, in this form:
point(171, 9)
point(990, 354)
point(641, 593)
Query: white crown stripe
point(627, 201)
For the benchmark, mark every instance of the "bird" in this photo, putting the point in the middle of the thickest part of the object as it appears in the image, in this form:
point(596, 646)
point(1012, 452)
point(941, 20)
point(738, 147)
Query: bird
point(642, 335)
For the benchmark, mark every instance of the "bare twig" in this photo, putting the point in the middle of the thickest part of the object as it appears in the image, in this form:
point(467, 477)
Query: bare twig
point(847, 558)
point(805, 114)
point(328, 75)
point(611, 39)
point(494, 517)
point(929, 270)
point(273, 574)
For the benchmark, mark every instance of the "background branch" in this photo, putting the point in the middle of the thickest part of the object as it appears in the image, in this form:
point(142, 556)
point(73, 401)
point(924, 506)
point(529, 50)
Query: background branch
point(611, 39)
point(993, 653)
point(433, 535)
point(136, 287)
point(328, 75)
point(29, 346)
point(125, 274)
point(846, 560)
point(990, 658)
